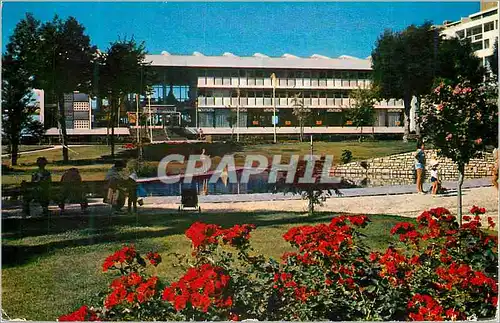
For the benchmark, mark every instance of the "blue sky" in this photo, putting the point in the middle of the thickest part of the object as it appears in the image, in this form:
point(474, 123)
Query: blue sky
point(302, 29)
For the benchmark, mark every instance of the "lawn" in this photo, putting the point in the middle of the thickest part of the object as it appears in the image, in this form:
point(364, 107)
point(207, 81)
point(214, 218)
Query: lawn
point(25, 148)
point(50, 267)
point(93, 166)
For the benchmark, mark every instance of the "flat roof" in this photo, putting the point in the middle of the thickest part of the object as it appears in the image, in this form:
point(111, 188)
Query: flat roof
point(88, 132)
point(228, 60)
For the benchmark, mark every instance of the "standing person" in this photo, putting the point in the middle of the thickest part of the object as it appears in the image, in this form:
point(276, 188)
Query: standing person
point(420, 166)
point(132, 192)
point(495, 169)
point(116, 189)
point(434, 177)
point(41, 192)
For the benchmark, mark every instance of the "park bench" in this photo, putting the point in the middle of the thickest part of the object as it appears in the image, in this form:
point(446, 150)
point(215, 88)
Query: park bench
point(97, 189)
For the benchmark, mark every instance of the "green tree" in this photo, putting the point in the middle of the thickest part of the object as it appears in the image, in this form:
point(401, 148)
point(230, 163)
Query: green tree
point(362, 112)
point(459, 121)
point(300, 112)
point(403, 65)
point(17, 103)
point(64, 64)
point(457, 60)
point(493, 59)
point(122, 71)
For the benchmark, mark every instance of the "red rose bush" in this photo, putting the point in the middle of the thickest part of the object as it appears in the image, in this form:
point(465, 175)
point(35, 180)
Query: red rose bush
point(434, 270)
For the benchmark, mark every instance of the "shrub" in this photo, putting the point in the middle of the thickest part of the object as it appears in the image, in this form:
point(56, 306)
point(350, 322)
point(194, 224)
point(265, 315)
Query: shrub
point(437, 271)
point(346, 156)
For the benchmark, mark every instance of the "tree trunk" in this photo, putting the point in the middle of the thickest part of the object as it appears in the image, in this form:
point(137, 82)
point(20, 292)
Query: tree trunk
point(14, 151)
point(112, 123)
point(310, 206)
point(62, 121)
point(406, 121)
point(461, 170)
point(417, 113)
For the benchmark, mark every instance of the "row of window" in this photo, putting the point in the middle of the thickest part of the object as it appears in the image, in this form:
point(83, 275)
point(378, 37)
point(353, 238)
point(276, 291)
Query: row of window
point(309, 74)
point(221, 119)
point(264, 98)
point(284, 82)
point(477, 30)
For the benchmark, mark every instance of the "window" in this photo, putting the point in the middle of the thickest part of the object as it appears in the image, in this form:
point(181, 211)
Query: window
point(461, 34)
point(489, 26)
point(322, 75)
point(486, 43)
point(477, 30)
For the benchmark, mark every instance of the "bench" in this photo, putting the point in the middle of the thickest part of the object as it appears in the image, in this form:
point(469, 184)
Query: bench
point(58, 194)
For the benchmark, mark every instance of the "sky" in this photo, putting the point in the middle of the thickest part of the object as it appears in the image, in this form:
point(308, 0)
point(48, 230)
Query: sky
point(273, 28)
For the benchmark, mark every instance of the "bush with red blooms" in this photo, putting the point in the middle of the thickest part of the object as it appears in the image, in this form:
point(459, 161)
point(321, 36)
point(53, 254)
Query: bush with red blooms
point(436, 270)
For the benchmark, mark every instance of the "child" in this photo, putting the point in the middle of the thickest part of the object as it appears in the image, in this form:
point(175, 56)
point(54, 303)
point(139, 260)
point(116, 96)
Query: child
point(434, 177)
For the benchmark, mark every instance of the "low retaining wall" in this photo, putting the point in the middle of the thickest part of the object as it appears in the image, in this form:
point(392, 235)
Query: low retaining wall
point(403, 166)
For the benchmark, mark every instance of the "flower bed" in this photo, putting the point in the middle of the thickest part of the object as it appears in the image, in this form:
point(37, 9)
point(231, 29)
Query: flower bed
point(437, 271)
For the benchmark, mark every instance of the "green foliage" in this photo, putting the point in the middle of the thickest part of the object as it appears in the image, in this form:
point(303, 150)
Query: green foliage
point(17, 99)
point(459, 121)
point(493, 59)
point(404, 64)
point(122, 70)
point(457, 60)
point(346, 156)
point(362, 112)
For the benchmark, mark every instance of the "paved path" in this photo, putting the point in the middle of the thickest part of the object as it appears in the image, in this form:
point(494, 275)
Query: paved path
point(44, 149)
point(399, 199)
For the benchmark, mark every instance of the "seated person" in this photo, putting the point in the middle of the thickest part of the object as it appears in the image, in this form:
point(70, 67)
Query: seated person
point(41, 192)
point(72, 189)
point(116, 188)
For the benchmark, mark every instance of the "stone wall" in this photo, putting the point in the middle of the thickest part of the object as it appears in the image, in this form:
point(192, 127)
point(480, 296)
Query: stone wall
point(403, 166)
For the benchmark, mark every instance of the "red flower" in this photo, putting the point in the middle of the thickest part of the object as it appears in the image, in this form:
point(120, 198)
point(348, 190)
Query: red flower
point(234, 317)
point(238, 234)
point(477, 210)
point(359, 220)
point(154, 258)
point(125, 255)
point(202, 234)
point(80, 315)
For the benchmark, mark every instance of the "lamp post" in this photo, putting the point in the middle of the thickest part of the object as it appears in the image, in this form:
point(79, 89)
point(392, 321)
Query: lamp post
point(238, 114)
point(273, 80)
point(150, 119)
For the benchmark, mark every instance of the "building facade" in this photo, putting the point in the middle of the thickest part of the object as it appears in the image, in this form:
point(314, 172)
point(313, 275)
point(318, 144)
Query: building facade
point(481, 28)
point(220, 89)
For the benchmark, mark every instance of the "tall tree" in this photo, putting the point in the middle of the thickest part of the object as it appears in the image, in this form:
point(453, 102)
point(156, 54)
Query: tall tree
point(17, 103)
point(122, 71)
point(362, 112)
point(457, 61)
point(403, 65)
point(301, 112)
point(17, 97)
point(65, 64)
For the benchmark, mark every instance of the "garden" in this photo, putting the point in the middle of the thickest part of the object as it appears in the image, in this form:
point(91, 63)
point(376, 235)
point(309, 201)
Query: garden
point(325, 267)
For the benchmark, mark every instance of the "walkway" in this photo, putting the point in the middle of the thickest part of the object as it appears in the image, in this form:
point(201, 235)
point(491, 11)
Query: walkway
point(400, 199)
point(348, 192)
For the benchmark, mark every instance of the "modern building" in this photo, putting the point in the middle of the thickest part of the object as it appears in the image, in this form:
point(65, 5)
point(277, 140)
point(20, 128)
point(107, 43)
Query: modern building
point(211, 92)
point(481, 28)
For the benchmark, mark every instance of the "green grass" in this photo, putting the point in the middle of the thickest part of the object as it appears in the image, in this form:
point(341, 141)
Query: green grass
point(25, 148)
point(52, 267)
